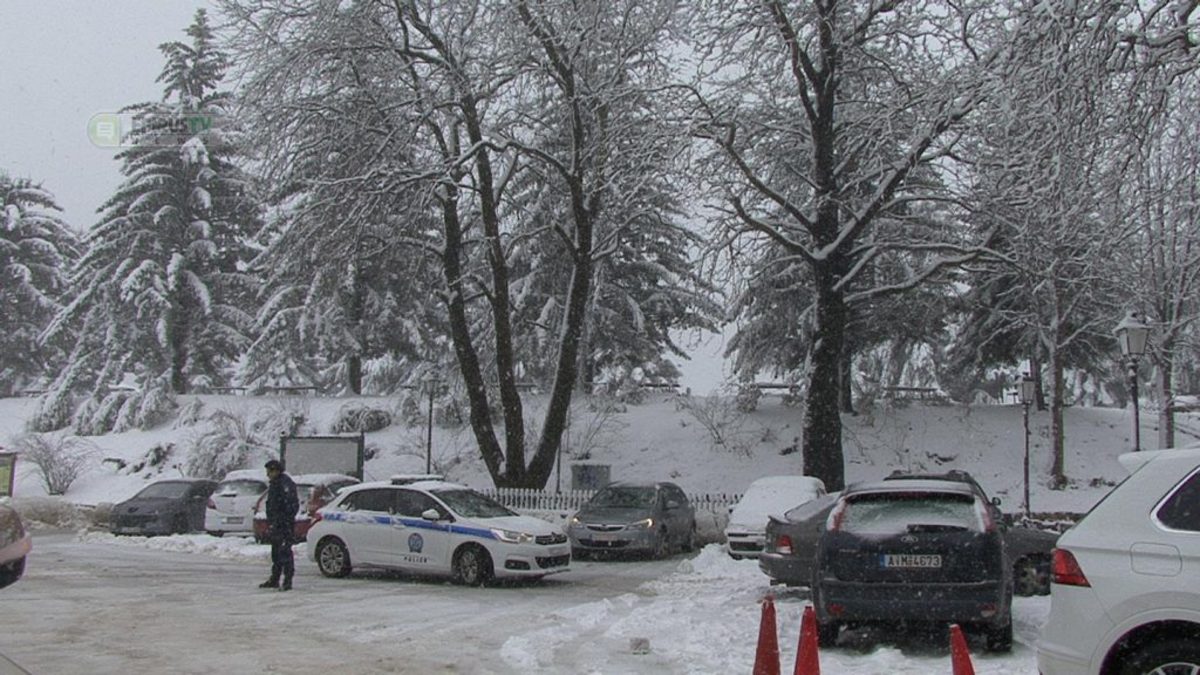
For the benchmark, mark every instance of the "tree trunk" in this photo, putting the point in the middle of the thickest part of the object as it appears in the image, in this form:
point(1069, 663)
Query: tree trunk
point(846, 380)
point(1166, 414)
point(822, 421)
point(1058, 474)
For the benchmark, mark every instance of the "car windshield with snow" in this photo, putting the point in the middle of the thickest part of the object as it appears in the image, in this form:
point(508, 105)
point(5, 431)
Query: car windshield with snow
point(769, 496)
point(435, 528)
point(913, 552)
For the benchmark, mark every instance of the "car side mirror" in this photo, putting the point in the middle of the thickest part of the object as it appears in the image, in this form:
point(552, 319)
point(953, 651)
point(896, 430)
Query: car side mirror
point(995, 501)
point(431, 514)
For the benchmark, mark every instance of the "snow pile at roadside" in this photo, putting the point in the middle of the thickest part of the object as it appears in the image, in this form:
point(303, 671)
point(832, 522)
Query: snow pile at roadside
point(228, 548)
point(706, 617)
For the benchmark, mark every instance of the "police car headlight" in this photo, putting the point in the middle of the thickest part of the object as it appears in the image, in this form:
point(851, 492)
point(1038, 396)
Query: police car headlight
point(647, 523)
point(510, 537)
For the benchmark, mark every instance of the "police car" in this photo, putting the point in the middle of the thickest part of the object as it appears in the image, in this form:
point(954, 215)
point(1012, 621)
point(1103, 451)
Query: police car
point(433, 527)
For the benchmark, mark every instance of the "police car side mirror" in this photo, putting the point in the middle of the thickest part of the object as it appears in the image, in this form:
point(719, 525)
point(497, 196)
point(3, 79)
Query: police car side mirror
point(431, 514)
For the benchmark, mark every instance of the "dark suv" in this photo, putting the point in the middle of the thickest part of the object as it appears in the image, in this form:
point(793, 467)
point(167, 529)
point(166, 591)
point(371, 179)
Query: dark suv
point(913, 551)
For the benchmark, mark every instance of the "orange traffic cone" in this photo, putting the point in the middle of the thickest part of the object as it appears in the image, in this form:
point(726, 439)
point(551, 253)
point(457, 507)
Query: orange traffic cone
point(807, 660)
point(960, 657)
point(766, 657)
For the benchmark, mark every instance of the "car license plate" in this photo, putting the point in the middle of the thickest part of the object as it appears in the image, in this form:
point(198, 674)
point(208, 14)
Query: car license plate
point(604, 536)
point(234, 520)
point(910, 560)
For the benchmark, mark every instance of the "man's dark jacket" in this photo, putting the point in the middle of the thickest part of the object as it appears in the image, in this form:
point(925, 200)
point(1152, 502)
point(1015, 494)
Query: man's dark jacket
point(282, 505)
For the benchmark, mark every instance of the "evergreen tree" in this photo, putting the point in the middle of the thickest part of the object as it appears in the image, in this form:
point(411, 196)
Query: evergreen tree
point(161, 293)
point(36, 251)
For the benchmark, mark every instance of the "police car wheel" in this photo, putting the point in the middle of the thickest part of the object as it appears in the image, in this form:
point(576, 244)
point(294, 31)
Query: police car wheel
point(472, 566)
point(333, 559)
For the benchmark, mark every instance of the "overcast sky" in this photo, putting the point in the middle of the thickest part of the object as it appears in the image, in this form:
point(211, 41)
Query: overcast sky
point(63, 61)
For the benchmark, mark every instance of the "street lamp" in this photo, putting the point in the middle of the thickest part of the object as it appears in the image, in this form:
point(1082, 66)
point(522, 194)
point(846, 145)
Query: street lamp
point(431, 381)
point(1026, 393)
point(1132, 334)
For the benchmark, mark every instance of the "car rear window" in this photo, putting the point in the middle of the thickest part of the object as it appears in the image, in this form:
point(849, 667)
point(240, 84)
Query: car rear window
point(886, 514)
point(241, 488)
point(165, 490)
point(1181, 511)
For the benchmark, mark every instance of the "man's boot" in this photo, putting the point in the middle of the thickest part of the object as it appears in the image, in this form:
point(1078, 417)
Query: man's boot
point(288, 572)
point(273, 582)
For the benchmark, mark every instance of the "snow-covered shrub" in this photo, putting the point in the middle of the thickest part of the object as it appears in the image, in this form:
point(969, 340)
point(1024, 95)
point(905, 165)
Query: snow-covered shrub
point(594, 429)
point(97, 415)
point(58, 459)
point(228, 444)
point(53, 512)
point(287, 417)
point(722, 420)
point(53, 412)
point(191, 413)
point(155, 457)
point(361, 418)
point(747, 398)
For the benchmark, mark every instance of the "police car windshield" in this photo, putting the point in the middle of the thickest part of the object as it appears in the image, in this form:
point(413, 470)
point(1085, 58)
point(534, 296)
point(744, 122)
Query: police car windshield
point(471, 504)
point(630, 497)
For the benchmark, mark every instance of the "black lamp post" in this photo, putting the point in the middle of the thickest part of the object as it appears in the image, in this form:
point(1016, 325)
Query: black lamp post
point(431, 382)
point(1132, 334)
point(1026, 393)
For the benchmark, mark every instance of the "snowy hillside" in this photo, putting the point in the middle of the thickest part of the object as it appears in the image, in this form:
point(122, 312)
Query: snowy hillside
point(654, 439)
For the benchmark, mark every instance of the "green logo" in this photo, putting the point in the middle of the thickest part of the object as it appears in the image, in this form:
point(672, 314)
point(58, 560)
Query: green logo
point(104, 130)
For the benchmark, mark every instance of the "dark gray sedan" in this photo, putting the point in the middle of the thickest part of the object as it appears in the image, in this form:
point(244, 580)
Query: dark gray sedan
point(791, 542)
point(648, 518)
point(164, 507)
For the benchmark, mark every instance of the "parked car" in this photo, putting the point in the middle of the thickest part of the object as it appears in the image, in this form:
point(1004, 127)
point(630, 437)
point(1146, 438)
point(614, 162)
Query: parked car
point(231, 506)
point(313, 490)
point(1029, 548)
point(15, 544)
point(164, 507)
point(766, 497)
point(1125, 596)
point(433, 527)
point(791, 540)
point(648, 518)
point(910, 551)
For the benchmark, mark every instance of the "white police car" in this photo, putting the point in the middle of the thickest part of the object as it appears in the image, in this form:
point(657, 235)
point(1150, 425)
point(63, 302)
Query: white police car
point(433, 527)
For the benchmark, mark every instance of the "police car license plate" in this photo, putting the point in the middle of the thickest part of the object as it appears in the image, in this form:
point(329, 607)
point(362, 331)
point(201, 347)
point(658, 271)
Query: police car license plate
point(910, 560)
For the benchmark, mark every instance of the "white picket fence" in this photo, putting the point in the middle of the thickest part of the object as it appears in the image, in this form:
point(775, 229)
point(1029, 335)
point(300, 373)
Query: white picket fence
point(571, 500)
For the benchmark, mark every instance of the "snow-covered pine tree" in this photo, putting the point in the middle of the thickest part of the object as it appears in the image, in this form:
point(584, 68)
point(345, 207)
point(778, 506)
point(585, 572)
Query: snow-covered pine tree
point(36, 251)
point(161, 293)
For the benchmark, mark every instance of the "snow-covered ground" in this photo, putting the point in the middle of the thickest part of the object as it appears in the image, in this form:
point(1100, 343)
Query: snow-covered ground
point(91, 602)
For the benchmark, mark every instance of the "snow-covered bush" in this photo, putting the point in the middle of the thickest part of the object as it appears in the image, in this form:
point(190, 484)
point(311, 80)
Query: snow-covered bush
point(290, 417)
point(721, 418)
point(361, 418)
point(58, 459)
point(190, 414)
point(228, 444)
point(747, 398)
point(50, 512)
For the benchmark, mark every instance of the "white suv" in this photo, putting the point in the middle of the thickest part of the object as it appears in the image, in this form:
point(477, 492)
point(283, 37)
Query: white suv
point(1125, 593)
point(433, 527)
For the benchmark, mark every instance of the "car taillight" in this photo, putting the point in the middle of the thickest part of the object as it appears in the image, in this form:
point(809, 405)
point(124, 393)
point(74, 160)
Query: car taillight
point(783, 544)
point(1066, 569)
point(985, 517)
point(314, 518)
point(834, 523)
point(211, 503)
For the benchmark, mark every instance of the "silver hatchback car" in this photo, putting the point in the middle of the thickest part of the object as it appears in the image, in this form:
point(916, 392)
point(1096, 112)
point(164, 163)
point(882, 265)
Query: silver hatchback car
point(647, 518)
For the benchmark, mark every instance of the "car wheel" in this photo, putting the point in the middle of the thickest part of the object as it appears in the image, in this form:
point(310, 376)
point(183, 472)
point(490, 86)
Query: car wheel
point(333, 559)
point(689, 544)
point(1031, 576)
point(999, 638)
point(10, 572)
point(216, 533)
point(472, 566)
point(1172, 656)
point(662, 546)
point(827, 633)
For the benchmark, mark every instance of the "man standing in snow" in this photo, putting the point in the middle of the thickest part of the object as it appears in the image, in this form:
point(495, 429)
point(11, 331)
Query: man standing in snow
point(282, 505)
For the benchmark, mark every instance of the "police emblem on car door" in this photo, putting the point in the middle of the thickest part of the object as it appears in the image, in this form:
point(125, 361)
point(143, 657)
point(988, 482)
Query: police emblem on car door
point(419, 543)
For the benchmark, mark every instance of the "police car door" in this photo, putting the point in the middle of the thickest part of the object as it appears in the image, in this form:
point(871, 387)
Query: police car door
point(366, 523)
point(421, 544)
